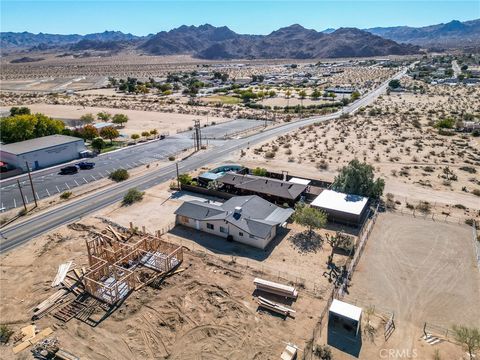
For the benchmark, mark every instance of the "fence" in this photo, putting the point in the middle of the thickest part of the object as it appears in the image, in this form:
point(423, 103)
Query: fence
point(437, 330)
point(476, 243)
point(339, 292)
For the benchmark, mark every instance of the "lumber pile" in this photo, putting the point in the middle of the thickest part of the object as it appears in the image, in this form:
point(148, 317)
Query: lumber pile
point(32, 341)
point(275, 307)
point(48, 304)
point(61, 273)
point(275, 288)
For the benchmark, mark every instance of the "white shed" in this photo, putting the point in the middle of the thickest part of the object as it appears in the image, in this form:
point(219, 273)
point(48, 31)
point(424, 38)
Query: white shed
point(344, 316)
point(341, 207)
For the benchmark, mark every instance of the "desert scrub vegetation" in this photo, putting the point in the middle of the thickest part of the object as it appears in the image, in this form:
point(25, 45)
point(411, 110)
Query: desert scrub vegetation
point(119, 175)
point(132, 196)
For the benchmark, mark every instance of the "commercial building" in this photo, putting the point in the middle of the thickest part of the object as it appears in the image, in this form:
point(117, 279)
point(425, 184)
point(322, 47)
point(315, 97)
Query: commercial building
point(247, 219)
point(340, 207)
point(42, 152)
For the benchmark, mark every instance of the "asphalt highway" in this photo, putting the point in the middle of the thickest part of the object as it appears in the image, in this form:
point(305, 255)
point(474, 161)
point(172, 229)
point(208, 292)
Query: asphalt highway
point(22, 231)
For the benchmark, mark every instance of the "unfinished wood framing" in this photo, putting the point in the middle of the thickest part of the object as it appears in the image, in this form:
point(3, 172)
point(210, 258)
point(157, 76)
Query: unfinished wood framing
point(111, 275)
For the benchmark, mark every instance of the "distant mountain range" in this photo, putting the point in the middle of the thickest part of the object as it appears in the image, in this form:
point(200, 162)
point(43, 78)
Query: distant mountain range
point(454, 34)
point(295, 42)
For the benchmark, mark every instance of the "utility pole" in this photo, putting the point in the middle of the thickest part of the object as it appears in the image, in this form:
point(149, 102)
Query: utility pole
point(178, 181)
point(31, 184)
point(197, 136)
point(21, 195)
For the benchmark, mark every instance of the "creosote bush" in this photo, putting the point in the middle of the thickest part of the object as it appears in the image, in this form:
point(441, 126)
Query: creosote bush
point(119, 175)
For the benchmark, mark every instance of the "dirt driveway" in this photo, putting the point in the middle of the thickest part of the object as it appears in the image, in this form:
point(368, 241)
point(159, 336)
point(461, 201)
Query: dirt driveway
point(422, 270)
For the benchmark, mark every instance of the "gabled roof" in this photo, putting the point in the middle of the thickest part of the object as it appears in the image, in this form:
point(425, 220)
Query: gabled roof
point(256, 217)
point(263, 185)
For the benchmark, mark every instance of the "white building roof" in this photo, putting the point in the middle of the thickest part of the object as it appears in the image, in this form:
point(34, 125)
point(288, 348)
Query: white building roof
point(347, 203)
point(346, 310)
point(40, 143)
point(299, 181)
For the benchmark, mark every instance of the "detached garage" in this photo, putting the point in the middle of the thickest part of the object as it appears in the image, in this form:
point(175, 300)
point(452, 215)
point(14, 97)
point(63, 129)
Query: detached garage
point(42, 152)
point(340, 207)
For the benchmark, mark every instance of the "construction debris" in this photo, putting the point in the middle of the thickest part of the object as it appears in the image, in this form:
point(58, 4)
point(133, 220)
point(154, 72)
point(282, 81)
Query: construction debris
point(40, 336)
point(275, 288)
point(61, 273)
point(273, 306)
point(49, 303)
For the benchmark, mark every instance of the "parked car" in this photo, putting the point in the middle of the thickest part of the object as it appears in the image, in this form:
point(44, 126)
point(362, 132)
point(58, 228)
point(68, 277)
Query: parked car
point(85, 165)
point(73, 169)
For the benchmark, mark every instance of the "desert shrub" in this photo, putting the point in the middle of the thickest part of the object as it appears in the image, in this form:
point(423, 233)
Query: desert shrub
point(269, 155)
point(22, 212)
point(258, 171)
point(5, 333)
point(476, 192)
point(460, 206)
point(66, 195)
point(322, 165)
point(119, 175)
point(171, 158)
point(469, 169)
point(132, 196)
point(323, 352)
point(424, 206)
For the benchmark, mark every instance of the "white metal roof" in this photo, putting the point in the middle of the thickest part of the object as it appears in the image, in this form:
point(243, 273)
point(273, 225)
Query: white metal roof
point(346, 310)
point(40, 143)
point(333, 200)
point(299, 181)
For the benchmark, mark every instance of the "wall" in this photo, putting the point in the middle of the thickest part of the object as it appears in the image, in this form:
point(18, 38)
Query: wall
point(47, 157)
point(231, 230)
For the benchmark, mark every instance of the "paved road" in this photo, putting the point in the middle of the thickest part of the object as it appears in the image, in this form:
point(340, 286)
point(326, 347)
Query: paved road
point(48, 182)
point(21, 232)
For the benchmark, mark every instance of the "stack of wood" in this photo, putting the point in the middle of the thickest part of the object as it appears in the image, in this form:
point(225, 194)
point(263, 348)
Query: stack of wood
point(31, 340)
point(275, 288)
point(275, 307)
point(61, 273)
point(73, 280)
point(49, 304)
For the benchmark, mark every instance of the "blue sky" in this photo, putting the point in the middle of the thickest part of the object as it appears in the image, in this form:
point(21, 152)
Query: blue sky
point(245, 16)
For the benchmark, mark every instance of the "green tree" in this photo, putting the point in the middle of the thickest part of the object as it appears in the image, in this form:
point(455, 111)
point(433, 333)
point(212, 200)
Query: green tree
point(316, 94)
point(272, 93)
point(132, 196)
point(302, 94)
point(98, 144)
point(135, 137)
point(310, 217)
point(469, 338)
point(104, 116)
point(19, 111)
point(89, 132)
point(355, 95)
point(87, 118)
point(154, 132)
point(357, 179)
point(120, 119)
point(24, 127)
point(110, 133)
point(394, 84)
point(185, 179)
point(258, 171)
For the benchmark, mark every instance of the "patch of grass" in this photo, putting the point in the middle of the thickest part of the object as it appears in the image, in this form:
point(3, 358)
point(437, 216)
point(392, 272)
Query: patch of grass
point(224, 99)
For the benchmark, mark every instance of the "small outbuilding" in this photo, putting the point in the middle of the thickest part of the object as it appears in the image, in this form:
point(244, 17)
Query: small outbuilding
point(344, 317)
point(42, 152)
point(341, 207)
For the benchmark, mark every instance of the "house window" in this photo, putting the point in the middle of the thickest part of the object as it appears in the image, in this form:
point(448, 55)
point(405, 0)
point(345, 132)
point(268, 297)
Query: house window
point(209, 226)
point(240, 233)
point(223, 230)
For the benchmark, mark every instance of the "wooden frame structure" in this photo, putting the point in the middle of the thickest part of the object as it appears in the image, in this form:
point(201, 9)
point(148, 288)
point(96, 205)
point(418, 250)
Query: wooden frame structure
point(111, 275)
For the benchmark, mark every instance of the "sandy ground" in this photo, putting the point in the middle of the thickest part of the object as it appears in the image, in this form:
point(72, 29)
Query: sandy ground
point(423, 271)
point(138, 120)
point(207, 311)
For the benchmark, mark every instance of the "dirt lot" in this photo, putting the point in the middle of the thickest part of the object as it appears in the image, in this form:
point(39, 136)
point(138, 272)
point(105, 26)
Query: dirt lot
point(205, 312)
point(423, 271)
